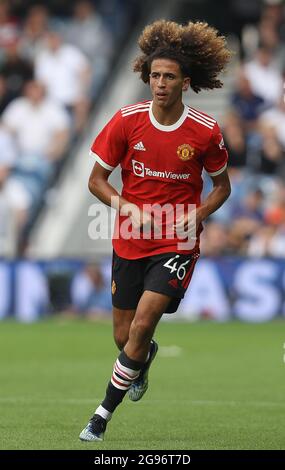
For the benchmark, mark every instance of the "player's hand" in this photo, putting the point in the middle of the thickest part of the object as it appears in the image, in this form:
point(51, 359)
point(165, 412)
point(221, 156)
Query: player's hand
point(141, 220)
point(186, 225)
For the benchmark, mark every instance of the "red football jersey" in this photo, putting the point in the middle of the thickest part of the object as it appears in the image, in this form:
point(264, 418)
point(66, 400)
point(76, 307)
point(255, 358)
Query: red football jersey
point(160, 165)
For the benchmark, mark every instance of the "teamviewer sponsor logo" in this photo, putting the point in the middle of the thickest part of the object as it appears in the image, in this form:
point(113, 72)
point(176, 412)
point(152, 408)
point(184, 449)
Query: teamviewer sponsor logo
point(138, 168)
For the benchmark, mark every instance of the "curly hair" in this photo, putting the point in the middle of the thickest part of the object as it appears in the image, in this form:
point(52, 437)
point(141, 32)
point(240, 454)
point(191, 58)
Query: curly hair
point(197, 47)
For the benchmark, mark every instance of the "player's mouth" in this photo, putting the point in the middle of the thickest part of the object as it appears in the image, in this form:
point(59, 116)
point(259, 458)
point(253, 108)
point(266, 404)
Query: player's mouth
point(161, 96)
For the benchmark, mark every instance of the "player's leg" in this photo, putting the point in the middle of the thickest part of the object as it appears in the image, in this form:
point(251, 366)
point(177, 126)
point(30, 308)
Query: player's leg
point(122, 319)
point(150, 303)
point(132, 358)
point(127, 287)
point(140, 385)
point(129, 362)
point(150, 308)
point(169, 274)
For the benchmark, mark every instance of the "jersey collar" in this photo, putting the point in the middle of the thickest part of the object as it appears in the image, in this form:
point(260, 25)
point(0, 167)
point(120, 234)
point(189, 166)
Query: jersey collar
point(173, 127)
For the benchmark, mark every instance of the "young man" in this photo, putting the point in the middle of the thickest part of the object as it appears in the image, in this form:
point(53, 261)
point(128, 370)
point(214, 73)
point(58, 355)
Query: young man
point(162, 146)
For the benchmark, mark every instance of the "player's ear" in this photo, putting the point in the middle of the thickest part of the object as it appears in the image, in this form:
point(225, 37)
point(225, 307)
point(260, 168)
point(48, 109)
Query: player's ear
point(186, 83)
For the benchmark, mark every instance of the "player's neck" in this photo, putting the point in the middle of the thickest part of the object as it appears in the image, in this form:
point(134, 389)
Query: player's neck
point(167, 116)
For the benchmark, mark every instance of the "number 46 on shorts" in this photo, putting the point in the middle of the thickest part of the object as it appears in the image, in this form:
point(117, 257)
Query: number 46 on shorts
point(174, 266)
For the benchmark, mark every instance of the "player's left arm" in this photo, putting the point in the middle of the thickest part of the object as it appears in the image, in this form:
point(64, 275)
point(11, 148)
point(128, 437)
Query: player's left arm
point(216, 198)
point(215, 163)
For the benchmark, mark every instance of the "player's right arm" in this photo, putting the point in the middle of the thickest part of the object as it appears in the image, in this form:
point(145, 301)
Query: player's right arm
point(100, 187)
point(109, 149)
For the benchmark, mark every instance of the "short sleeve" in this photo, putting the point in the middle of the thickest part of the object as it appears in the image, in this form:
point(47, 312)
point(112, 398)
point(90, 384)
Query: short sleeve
point(216, 156)
point(110, 145)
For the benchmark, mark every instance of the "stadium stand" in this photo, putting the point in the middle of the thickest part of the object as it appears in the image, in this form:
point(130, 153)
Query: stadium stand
point(55, 58)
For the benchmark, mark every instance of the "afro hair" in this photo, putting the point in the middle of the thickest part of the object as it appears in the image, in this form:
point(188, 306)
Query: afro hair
point(197, 47)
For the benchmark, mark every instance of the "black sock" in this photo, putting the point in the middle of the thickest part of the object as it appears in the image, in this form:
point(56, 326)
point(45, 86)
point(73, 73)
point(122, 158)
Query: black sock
point(125, 371)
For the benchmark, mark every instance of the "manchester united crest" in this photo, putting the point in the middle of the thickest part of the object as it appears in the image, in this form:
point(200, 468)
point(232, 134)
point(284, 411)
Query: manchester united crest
point(185, 152)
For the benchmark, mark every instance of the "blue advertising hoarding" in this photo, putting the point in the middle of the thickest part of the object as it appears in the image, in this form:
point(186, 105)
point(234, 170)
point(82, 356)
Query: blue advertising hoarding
point(221, 289)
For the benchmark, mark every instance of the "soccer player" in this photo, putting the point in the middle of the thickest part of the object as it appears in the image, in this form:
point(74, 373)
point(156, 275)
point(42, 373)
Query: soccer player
point(162, 146)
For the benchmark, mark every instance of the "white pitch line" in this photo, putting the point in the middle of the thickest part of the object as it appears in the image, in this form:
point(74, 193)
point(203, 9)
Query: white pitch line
point(169, 351)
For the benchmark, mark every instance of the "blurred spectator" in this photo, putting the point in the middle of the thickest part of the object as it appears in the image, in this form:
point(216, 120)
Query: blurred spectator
point(120, 15)
point(14, 68)
point(65, 71)
point(269, 37)
point(254, 130)
point(90, 294)
point(8, 24)
point(243, 13)
point(235, 142)
point(5, 98)
point(14, 200)
point(34, 30)
point(272, 157)
point(31, 39)
point(265, 79)
point(247, 218)
point(273, 10)
point(41, 130)
point(245, 103)
point(275, 119)
point(266, 29)
point(275, 210)
point(250, 208)
point(268, 241)
point(270, 27)
point(86, 30)
point(241, 181)
point(214, 240)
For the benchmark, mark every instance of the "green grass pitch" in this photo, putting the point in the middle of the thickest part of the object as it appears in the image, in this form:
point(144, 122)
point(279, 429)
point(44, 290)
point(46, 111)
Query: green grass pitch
point(213, 386)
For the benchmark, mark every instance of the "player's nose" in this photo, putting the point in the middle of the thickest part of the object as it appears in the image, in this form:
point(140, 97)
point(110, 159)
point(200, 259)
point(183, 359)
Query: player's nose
point(161, 82)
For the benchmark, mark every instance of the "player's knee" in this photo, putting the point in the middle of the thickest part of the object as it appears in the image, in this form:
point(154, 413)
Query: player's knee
point(121, 338)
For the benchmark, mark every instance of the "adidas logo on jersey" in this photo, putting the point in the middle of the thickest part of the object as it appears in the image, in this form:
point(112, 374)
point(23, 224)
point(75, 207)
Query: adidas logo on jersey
point(140, 146)
point(173, 283)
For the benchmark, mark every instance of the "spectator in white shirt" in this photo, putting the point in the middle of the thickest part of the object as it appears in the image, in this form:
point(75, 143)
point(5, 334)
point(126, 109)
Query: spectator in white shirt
point(264, 78)
point(65, 71)
point(86, 30)
point(275, 118)
point(41, 129)
point(14, 199)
